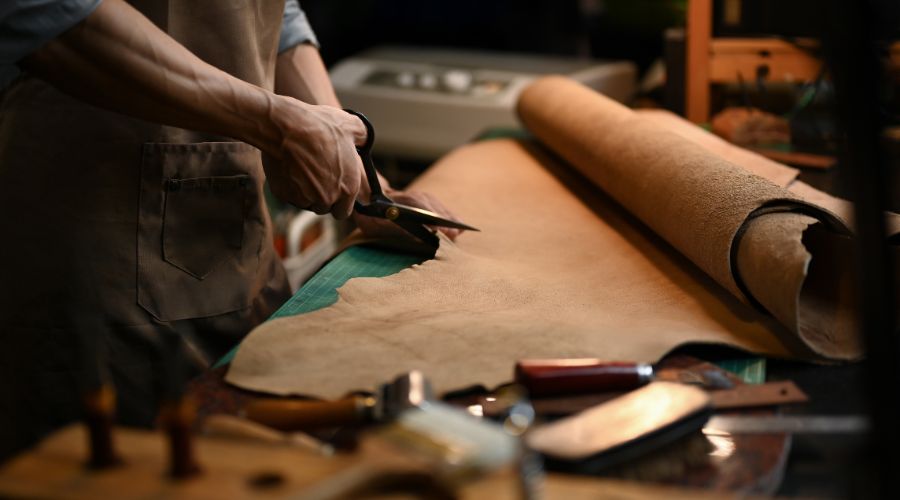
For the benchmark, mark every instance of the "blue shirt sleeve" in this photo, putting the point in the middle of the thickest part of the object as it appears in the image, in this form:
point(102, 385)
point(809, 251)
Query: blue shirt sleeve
point(26, 25)
point(295, 28)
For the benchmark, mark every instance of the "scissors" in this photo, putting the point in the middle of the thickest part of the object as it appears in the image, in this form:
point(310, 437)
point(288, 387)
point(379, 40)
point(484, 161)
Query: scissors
point(411, 219)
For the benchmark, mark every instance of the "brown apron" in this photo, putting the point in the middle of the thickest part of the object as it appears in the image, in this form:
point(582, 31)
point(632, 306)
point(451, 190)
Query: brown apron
point(120, 232)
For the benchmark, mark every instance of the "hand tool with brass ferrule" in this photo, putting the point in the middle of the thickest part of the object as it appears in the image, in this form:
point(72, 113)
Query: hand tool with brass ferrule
point(406, 391)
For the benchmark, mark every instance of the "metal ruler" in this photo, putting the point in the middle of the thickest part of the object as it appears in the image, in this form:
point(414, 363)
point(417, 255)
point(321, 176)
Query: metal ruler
point(788, 424)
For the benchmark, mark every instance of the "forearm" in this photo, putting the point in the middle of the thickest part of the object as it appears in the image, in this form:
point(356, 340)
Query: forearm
point(117, 59)
point(301, 74)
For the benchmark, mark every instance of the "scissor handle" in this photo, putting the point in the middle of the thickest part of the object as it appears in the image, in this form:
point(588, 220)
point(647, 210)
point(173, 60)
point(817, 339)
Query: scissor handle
point(365, 153)
point(370, 132)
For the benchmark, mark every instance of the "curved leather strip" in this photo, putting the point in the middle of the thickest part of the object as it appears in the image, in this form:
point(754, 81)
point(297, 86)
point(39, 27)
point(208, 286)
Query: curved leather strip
point(788, 205)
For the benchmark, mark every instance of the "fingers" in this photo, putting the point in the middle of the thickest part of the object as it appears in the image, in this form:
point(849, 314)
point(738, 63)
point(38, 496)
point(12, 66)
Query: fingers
point(439, 208)
point(319, 169)
point(351, 175)
point(317, 166)
point(379, 228)
point(451, 232)
point(429, 202)
point(343, 207)
point(357, 129)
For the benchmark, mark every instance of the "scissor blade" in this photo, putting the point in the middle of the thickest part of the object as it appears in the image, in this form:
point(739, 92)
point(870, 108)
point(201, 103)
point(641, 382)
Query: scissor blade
point(430, 218)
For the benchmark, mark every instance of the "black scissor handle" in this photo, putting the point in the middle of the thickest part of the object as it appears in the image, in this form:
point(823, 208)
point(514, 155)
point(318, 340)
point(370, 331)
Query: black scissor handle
point(365, 154)
point(370, 132)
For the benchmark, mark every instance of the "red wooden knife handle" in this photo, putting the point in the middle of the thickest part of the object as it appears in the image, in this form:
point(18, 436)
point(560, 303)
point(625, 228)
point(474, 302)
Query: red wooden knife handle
point(557, 377)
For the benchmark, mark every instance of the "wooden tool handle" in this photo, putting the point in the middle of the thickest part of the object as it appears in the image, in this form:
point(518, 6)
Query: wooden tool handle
point(177, 417)
point(555, 377)
point(292, 415)
point(99, 415)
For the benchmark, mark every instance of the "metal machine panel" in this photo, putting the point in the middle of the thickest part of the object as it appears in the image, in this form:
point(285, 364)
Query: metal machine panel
point(425, 102)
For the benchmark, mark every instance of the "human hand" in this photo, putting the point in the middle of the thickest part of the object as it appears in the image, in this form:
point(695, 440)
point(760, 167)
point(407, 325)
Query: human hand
point(382, 228)
point(315, 165)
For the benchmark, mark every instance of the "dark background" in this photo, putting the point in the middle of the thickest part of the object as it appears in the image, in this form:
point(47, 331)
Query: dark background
point(618, 29)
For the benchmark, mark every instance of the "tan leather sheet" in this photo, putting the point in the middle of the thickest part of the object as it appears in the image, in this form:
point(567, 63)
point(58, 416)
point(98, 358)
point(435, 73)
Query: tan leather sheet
point(564, 269)
point(741, 229)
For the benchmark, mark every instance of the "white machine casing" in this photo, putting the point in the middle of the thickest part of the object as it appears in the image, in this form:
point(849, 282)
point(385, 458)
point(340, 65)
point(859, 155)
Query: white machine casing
point(424, 102)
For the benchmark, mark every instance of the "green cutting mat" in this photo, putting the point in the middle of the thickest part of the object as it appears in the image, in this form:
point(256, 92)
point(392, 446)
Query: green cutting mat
point(321, 290)
point(751, 370)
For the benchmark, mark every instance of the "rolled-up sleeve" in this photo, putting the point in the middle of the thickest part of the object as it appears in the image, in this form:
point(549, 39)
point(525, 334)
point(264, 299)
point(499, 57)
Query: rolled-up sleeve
point(295, 28)
point(26, 25)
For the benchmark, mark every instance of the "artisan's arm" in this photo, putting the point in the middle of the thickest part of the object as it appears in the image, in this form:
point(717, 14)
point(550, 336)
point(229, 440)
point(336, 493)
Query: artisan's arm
point(300, 73)
point(116, 58)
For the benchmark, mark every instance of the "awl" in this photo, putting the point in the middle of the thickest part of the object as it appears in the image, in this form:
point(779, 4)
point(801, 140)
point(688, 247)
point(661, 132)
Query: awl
point(555, 377)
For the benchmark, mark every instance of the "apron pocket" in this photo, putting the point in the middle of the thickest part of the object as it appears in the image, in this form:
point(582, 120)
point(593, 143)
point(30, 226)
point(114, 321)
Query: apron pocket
point(203, 221)
point(201, 225)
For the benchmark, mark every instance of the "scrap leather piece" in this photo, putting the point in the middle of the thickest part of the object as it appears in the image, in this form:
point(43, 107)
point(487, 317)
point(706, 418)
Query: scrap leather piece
point(623, 258)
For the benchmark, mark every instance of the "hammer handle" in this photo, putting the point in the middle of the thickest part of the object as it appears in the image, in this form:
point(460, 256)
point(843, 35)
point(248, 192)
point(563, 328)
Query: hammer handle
point(291, 415)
